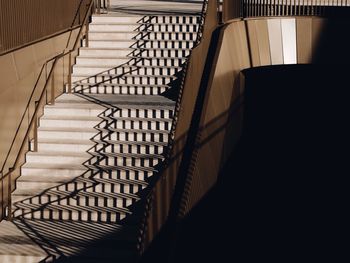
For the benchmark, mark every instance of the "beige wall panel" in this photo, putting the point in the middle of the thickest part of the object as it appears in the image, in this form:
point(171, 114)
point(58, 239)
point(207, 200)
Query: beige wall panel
point(8, 74)
point(304, 40)
point(317, 26)
point(60, 41)
point(289, 41)
point(263, 42)
point(44, 51)
point(24, 61)
point(275, 37)
point(253, 43)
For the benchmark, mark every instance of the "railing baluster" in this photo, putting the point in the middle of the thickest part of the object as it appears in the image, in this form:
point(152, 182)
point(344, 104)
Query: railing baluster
point(9, 195)
point(69, 73)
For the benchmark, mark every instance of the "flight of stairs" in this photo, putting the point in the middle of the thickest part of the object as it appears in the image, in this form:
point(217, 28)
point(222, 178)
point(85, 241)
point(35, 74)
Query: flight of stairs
point(99, 146)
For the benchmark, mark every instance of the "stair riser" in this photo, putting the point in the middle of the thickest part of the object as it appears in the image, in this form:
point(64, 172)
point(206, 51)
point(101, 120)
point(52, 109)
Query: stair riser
point(161, 44)
point(146, 19)
point(135, 149)
point(136, 80)
point(121, 90)
point(56, 159)
point(80, 200)
point(68, 135)
point(68, 123)
point(138, 137)
point(112, 62)
point(64, 147)
point(110, 44)
point(142, 125)
point(128, 161)
point(167, 28)
point(52, 172)
point(144, 113)
point(143, 35)
point(144, 61)
point(105, 52)
point(71, 111)
point(135, 52)
point(102, 187)
point(116, 19)
point(71, 215)
point(140, 44)
point(163, 62)
point(29, 185)
point(113, 28)
point(174, 19)
point(126, 70)
point(21, 259)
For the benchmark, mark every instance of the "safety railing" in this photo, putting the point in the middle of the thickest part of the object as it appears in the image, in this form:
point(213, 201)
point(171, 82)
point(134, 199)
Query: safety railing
point(54, 79)
point(159, 198)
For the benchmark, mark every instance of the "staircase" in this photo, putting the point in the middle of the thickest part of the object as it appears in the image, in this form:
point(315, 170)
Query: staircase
point(78, 198)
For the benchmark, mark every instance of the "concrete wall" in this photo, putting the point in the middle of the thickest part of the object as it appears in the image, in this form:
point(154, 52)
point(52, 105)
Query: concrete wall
point(19, 72)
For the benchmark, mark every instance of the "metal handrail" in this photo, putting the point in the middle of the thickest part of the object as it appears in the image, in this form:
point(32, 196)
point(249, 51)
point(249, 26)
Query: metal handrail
point(171, 136)
point(33, 121)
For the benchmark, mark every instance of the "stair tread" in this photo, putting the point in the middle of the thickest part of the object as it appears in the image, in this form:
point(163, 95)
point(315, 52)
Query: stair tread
point(166, 132)
point(98, 194)
point(90, 208)
point(62, 153)
point(116, 142)
point(131, 155)
point(70, 117)
point(66, 141)
point(67, 129)
point(127, 48)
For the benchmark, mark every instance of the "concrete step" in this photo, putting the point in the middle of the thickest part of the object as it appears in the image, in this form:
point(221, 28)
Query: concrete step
point(76, 109)
point(45, 170)
point(122, 43)
point(157, 27)
point(151, 52)
point(141, 43)
point(105, 61)
point(128, 159)
point(82, 198)
point(120, 89)
point(87, 134)
point(135, 147)
point(114, 18)
point(142, 35)
point(108, 18)
point(140, 123)
point(63, 144)
point(133, 78)
point(69, 121)
point(141, 59)
point(16, 246)
point(136, 135)
point(52, 157)
point(72, 212)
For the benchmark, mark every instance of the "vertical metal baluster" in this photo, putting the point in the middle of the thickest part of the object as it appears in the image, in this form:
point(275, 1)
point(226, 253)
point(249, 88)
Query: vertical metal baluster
point(53, 87)
point(69, 73)
point(35, 128)
point(9, 195)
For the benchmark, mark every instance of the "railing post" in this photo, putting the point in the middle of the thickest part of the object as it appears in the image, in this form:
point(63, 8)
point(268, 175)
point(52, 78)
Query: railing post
point(69, 73)
point(53, 87)
point(87, 34)
point(9, 195)
point(35, 119)
point(2, 196)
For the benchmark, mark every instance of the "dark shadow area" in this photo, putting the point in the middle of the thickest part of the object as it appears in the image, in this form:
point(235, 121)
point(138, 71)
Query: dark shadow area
point(282, 194)
point(334, 41)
